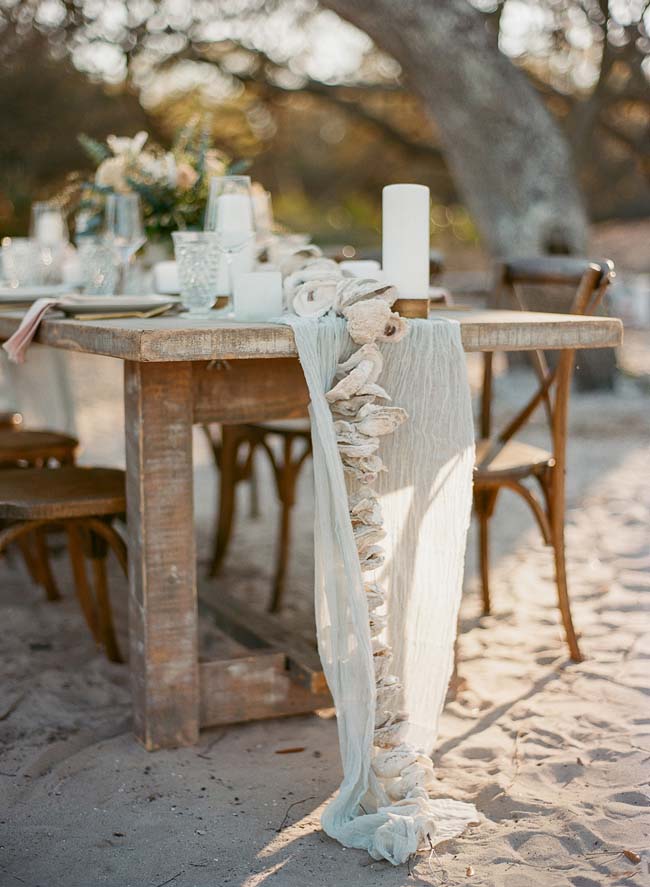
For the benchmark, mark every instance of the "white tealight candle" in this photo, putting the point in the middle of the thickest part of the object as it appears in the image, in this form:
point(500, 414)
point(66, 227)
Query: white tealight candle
point(235, 213)
point(405, 239)
point(258, 295)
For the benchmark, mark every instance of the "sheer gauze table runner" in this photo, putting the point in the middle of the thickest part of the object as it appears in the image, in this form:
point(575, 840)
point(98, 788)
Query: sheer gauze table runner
point(425, 496)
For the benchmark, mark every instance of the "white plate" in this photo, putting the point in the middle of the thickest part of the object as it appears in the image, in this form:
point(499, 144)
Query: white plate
point(10, 294)
point(109, 304)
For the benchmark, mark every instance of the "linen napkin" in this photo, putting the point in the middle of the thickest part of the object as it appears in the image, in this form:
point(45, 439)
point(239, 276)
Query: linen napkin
point(17, 345)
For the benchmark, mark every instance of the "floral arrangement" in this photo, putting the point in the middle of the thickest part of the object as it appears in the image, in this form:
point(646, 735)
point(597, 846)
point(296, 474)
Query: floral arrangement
point(173, 185)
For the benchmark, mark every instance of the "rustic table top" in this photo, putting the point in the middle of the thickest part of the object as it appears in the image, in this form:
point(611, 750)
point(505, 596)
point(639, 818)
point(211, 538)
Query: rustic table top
point(177, 339)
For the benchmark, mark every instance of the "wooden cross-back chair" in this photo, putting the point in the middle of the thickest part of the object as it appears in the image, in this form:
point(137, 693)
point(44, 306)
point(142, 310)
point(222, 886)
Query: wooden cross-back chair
point(234, 453)
point(503, 462)
point(27, 448)
point(83, 502)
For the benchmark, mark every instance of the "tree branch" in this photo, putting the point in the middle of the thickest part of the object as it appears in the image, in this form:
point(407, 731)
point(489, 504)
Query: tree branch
point(335, 95)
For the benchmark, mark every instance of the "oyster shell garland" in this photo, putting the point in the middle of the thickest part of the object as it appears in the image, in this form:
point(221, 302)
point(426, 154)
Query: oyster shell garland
point(400, 775)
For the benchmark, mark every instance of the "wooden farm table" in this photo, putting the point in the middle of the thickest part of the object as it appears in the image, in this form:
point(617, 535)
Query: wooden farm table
point(175, 375)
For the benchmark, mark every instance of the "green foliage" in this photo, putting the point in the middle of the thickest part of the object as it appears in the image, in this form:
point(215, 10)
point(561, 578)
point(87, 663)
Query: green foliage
point(96, 151)
point(238, 167)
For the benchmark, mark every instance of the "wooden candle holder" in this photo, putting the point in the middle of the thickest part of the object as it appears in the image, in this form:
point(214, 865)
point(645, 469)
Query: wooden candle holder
point(412, 307)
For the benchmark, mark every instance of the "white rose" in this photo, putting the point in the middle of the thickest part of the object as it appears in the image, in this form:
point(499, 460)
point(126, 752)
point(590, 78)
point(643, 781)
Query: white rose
point(121, 146)
point(111, 173)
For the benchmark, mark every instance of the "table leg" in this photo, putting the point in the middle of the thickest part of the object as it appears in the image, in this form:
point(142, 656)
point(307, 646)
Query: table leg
point(163, 632)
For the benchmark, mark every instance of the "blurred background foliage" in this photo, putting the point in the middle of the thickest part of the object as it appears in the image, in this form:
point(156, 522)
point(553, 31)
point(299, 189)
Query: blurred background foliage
point(321, 113)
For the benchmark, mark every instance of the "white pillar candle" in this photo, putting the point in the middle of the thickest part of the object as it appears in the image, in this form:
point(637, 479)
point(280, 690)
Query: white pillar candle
point(235, 213)
point(368, 268)
point(50, 228)
point(405, 239)
point(258, 295)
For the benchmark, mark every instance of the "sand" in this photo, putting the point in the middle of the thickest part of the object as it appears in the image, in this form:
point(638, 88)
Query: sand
point(555, 755)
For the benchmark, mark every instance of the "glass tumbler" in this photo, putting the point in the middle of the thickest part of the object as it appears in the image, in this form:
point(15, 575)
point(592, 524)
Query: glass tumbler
point(98, 269)
point(198, 255)
point(21, 265)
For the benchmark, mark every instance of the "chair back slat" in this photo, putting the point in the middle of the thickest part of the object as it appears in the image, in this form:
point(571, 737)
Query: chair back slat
point(591, 280)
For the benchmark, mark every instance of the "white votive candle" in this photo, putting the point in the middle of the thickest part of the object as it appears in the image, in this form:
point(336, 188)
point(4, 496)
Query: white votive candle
point(235, 213)
point(258, 295)
point(405, 239)
point(165, 278)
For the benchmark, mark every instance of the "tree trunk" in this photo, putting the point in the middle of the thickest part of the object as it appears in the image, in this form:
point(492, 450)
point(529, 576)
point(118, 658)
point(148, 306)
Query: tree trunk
point(510, 161)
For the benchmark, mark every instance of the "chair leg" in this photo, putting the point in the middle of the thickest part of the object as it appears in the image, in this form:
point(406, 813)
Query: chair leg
point(227, 488)
point(562, 586)
point(82, 588)
point(484, 506)
point(27, 552)
point(104, 613)
point(254, 490)
point(105, 537)
point(484, 560)
point(282, 558)
point(287, 475)
point(37, 561)
point(46, 578)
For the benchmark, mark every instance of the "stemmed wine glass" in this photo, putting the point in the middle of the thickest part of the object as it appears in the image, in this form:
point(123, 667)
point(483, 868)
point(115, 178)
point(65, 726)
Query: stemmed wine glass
point(230, 213)
point(124, 229)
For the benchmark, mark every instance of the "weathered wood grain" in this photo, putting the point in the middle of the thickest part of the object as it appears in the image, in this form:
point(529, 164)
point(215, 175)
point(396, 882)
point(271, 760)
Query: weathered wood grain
point(262, 630)
point(66, 492)
point(166, 339)
point(494, 330)
point(162, 573)
point(253, 390)
point(35, 447)
point(171, 380)
point(253, 687)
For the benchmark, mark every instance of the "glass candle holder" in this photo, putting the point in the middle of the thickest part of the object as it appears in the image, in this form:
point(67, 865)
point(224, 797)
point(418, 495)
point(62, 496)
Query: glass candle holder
point(198, 254)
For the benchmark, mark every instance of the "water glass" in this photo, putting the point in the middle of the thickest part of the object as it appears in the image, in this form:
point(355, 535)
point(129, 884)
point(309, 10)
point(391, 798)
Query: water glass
point(230, 213)
point(21, 265)
point(124, 228)
point(230, 205)
point(98, 269)
point(198, 255)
